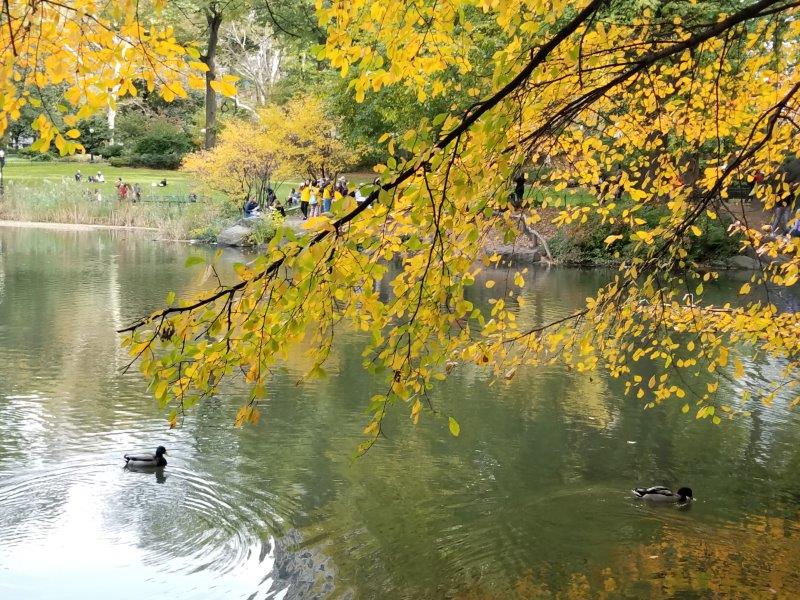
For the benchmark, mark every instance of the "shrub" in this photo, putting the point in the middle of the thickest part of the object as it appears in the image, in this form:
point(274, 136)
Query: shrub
point(207, 233)
point(156, 161)
point(263, 229)
point(715, 243)
point(585, 243)
point(111, 151)
point(36, 155)
point(162, 142)
point(120, 161)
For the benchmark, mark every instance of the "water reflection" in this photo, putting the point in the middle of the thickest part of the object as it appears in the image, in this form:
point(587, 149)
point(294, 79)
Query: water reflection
point(753, 559)
point(158, 472)
point(531, 500)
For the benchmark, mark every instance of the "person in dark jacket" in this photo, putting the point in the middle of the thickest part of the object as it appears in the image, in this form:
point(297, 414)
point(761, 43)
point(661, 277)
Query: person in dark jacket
point(251, 208)
point(789, 175)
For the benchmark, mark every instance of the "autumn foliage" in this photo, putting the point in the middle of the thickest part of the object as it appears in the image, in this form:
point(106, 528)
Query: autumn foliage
point(655, 109)
point(280, 143)
point(95, 53)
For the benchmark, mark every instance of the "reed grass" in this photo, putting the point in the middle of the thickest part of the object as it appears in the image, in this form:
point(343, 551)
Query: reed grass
point(70, 202)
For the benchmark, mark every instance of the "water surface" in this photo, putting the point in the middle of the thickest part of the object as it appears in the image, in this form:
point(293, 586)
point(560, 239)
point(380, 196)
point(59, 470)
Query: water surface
point(530, 501)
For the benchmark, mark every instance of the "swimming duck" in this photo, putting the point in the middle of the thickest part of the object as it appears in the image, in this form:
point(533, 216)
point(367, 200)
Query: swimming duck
point(147, 460)
point(660, 493)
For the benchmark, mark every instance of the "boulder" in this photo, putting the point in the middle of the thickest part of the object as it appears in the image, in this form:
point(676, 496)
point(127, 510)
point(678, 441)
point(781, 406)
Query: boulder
point(518, 254)
point(744, 262)
point(236, 235)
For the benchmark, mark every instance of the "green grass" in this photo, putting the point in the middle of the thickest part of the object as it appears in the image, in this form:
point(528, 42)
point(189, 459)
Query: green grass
point(47, 192)
point(46, 174)
point(55, 172)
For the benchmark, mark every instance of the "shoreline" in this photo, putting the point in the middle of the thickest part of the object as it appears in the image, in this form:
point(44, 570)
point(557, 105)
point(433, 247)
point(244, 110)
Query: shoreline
point(511, 253)
point(71, 226)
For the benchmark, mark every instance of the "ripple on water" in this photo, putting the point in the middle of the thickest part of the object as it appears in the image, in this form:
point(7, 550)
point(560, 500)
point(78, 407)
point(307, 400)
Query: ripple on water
point(88, 502)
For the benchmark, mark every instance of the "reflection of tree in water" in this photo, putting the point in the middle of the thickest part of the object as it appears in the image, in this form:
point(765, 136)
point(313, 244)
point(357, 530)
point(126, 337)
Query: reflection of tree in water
point(755, 559)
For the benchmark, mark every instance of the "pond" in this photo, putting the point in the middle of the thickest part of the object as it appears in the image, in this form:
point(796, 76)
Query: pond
point(532, 500)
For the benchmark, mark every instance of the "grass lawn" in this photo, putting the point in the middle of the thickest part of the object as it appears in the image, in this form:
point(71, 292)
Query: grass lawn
point(41, 174)
point(46, 191)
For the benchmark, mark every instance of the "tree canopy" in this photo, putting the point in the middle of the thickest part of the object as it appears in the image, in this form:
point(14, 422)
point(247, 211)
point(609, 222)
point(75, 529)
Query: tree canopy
point(93, 53)
point(667, 107)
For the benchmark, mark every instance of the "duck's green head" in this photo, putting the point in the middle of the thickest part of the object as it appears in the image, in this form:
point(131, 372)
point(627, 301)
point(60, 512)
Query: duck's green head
point(161, 451)
point(685, 493)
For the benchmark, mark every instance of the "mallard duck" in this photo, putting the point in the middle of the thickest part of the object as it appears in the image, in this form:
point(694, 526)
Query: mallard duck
point(660, 493)
point(147, 460)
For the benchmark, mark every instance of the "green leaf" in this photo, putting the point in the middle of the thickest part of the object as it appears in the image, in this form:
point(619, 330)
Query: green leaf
point(161, 389)
point(455, 428)
point(195, 259)
point(170, 297)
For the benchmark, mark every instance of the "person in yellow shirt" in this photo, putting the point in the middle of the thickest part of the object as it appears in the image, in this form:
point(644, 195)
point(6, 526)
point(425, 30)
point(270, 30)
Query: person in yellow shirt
point(305, 198)
point(340, 191)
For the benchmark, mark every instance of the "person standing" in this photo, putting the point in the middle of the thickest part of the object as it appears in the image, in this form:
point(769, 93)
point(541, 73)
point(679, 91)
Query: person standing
point(305, 198)
point(789, 179)
point(271, 196)
point(326, 196)
point(780, 214)
point(313, 202)
point(519, 189)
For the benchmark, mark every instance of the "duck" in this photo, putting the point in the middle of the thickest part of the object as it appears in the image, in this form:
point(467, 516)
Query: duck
point(660, 493)
point(147, 460)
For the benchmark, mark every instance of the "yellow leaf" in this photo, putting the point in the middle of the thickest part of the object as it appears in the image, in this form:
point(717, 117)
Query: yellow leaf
point(455, 428)
point(223, 87)
point(160, 389)
point(738, 368)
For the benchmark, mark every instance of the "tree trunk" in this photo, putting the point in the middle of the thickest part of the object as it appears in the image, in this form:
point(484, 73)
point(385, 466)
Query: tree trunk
point(214, 18)
point(112, 121)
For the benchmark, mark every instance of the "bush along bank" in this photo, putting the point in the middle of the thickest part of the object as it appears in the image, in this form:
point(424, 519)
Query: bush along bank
point(584, 244)
point(246, 232)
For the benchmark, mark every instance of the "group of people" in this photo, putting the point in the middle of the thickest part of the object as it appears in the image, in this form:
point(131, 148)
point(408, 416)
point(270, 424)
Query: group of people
point(252, 208)
point(91, 179)
point(317, 197)
point(126, 191)
point(320, 196)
